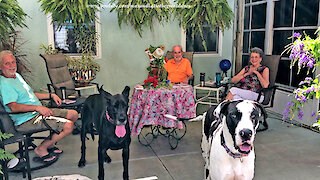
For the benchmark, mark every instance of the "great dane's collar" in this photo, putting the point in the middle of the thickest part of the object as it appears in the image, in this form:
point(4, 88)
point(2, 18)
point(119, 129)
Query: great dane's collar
point(232, 154)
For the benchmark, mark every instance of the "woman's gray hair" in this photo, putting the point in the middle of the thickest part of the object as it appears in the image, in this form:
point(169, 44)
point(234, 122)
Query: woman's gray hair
point(256, 50)
point(5, 53)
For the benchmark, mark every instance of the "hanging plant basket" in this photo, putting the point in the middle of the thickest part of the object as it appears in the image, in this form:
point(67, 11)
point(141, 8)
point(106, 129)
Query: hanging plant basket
point(136, 12)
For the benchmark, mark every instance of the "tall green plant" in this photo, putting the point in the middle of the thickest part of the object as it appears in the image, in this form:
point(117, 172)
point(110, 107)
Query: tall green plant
point(12, 16)
point(141, 13)
point(216, 13)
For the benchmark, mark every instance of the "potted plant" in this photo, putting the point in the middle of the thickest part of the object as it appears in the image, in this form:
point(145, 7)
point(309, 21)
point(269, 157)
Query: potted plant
point(83, 69)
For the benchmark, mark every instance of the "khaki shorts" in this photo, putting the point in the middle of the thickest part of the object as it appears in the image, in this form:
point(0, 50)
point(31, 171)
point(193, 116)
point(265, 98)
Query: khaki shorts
point(29, 126)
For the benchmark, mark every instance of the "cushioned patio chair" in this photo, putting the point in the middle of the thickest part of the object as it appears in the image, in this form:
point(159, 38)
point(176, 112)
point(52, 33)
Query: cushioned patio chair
point(62, 83)
point(59, 75)
point(272, 62)
point(189, 56)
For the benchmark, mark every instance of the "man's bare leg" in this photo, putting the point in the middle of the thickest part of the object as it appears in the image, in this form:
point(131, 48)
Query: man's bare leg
point(41, 150)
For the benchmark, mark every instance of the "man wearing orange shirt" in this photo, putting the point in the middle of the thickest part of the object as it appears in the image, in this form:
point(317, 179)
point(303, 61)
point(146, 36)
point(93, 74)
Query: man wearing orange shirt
point(179, 68)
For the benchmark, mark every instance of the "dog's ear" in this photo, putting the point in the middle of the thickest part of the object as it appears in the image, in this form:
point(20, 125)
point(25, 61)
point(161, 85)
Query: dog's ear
point(223, 108)
point(125, 92)
point(105, 94)
point(101, 89)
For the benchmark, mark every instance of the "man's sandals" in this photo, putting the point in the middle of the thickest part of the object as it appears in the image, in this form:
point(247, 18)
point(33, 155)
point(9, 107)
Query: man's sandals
point(53, 155)
point(55, 150)
point(49, 158)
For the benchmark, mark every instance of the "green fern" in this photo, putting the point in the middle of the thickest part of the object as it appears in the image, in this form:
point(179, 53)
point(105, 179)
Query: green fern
point(12, 16)
point(3, 154)
point(140, 17)
point(79, 12)
point(217, 13)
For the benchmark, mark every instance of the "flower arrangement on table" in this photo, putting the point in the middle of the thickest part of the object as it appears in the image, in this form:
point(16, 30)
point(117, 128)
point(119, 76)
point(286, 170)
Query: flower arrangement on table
point(157, 75)
point(306, 52)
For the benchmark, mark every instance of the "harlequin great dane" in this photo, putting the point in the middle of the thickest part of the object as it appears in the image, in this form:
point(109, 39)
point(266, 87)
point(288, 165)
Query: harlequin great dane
point(227, 141)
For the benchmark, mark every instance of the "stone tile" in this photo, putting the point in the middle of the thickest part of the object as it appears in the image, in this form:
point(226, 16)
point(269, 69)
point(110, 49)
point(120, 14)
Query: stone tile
point(282, 152)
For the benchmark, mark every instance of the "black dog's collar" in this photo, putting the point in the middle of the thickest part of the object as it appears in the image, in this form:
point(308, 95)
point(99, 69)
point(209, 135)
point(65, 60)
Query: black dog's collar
point(109, 118)
point(232, 154)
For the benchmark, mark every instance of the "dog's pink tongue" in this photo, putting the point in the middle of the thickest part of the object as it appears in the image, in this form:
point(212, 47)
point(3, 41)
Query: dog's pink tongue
point(245, 148)
point(120, 131)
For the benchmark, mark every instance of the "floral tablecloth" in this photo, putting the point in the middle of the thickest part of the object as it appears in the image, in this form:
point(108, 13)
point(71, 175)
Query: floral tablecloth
point(148, 106)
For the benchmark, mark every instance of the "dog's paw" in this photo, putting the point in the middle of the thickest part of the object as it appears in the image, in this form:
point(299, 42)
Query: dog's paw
point(107, 159)
point(81, 163)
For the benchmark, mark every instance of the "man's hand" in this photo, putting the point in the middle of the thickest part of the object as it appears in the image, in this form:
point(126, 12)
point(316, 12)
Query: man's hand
point(44, 111)
point(56, 99)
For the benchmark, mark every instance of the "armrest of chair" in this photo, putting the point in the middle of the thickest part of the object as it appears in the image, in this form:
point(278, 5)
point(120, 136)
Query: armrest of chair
point(95, 84)
point(226, 86)
point(50, 87)
point(191, 81)
point(264, 91)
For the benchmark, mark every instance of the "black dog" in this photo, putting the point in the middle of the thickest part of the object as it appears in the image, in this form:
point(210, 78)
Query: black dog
point(108, 115)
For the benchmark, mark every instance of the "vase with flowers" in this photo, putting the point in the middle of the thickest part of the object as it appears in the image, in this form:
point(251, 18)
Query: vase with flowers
point(305, 52)
point(157, 75)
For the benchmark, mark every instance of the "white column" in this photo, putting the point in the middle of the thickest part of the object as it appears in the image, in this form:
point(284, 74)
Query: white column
point(268, 42)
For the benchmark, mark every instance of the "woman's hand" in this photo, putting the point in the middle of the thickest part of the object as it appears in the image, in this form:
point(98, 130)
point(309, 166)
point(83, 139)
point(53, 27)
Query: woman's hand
point(252, 70)
point(56, 99)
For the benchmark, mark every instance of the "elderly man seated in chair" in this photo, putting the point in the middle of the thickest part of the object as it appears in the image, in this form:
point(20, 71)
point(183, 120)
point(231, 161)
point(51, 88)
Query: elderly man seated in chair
point(251, 78)
point(24, 108)
point(179, 68)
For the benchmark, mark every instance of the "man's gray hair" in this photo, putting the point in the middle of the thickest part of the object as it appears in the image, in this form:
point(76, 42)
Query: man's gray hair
point(177, 46)
point(5, 53)
point(257, 50)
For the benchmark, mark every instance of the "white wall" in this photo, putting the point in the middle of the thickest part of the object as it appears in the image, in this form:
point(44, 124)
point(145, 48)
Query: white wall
point(282, 98)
